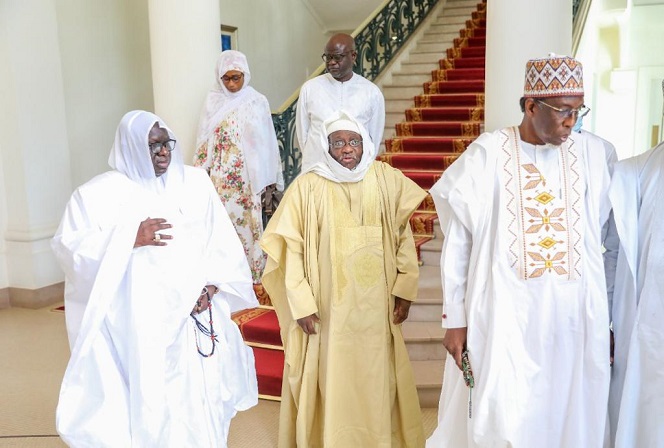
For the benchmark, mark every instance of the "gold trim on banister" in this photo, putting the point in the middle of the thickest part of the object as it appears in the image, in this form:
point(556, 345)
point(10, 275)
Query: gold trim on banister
point(261, 345)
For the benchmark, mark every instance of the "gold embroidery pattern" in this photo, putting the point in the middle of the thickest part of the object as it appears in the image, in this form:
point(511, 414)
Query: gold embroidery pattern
point(548, 263)
point(548, 260)
point(366, 270)
point(545, 237)
point(574, 204)
point(511, 199)
point(545, 220)
point(533, 177)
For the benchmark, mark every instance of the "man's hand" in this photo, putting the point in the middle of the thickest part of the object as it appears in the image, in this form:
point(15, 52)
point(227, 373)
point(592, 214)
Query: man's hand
point(401, 309)
point(308, 323)
point(204, 299)
point(148, 233)
point(454, 342)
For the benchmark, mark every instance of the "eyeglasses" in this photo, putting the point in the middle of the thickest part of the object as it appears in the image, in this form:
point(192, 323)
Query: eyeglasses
point(234, 78)
point(567, 113)
point(156, 147)
point(338, 144)
point(334, 57)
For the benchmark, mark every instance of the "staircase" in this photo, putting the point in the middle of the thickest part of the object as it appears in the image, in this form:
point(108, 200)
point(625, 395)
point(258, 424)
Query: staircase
point(434, 100)
point(434, 103)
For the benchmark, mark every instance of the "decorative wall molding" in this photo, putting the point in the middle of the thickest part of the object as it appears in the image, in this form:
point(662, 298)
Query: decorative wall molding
point(32, 298)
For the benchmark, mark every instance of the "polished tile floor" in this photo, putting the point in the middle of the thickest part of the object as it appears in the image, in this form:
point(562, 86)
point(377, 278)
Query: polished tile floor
point(33, 357)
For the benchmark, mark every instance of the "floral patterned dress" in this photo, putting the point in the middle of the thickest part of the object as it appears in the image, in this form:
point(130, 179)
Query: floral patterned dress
point(230, 177)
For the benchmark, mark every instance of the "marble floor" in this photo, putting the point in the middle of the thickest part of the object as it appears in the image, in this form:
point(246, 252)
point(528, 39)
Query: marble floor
point(33, 357)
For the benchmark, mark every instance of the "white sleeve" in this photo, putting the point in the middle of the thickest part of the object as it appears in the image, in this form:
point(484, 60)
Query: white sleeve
point(378, 119)
point(302, 122)
point(454, 260)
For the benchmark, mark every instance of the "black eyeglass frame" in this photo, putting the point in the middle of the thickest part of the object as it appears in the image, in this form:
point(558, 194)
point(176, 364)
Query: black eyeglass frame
point(155, 148)
point(337, 57)
point(567, 113)
point(234, 78)
point(353, 143)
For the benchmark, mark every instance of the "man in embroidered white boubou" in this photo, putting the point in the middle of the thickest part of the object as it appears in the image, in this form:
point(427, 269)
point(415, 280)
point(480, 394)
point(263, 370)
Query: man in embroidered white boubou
point(523, 211)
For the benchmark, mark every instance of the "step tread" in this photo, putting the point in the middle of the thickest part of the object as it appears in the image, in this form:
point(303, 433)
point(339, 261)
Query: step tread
point(422, 331)
point(428, 373)
point(435, 245)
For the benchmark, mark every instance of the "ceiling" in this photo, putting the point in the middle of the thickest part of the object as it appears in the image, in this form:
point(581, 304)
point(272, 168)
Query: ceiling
point(341, 15)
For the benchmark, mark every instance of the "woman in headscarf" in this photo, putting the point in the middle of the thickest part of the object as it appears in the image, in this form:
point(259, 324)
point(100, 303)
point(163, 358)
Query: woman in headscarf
point(237, 145)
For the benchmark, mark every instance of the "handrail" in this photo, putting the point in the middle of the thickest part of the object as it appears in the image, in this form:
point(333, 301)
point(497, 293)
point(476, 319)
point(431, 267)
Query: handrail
point(580, 9)
point(377, 40)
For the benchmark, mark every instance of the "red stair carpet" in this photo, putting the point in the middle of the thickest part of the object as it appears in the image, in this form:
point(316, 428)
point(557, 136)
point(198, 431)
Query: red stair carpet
point(260, 330)
point(443, 121)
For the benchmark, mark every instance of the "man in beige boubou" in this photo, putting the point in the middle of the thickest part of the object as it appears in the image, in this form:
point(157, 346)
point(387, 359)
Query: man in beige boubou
point(342, 272)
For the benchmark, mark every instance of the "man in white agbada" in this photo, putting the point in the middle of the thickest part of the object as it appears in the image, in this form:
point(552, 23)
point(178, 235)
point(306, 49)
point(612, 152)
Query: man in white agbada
point(637, 387)
point(338, 89)
point(523, 211)
point(153, 270)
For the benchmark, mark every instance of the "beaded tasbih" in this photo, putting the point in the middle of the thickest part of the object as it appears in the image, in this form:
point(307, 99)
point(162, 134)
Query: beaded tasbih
point(209, 333)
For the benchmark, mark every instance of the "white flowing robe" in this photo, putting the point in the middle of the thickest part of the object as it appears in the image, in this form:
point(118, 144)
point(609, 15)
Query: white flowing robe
point(637, 386)
point(135, 377)
point(522, 269)
point(322, 96)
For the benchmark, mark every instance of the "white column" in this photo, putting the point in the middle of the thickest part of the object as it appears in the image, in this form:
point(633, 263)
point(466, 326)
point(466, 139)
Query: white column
point(184, 43)
point(34, 148)
point(518, 30)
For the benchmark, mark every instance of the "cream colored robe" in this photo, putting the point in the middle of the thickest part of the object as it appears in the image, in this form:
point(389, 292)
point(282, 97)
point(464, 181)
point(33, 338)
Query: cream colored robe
point(344, 251)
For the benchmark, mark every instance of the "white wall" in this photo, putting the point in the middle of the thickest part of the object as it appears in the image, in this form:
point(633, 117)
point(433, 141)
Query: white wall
point(70, 70)
point(105, 52)
point(623, 54)
point(4, 280)
point(34, 151)
point(282, 40)
point(516, 32)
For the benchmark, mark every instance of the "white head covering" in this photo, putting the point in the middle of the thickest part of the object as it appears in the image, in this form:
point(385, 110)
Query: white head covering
point(323, 164)
point(131, 155)
point(220, 100)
